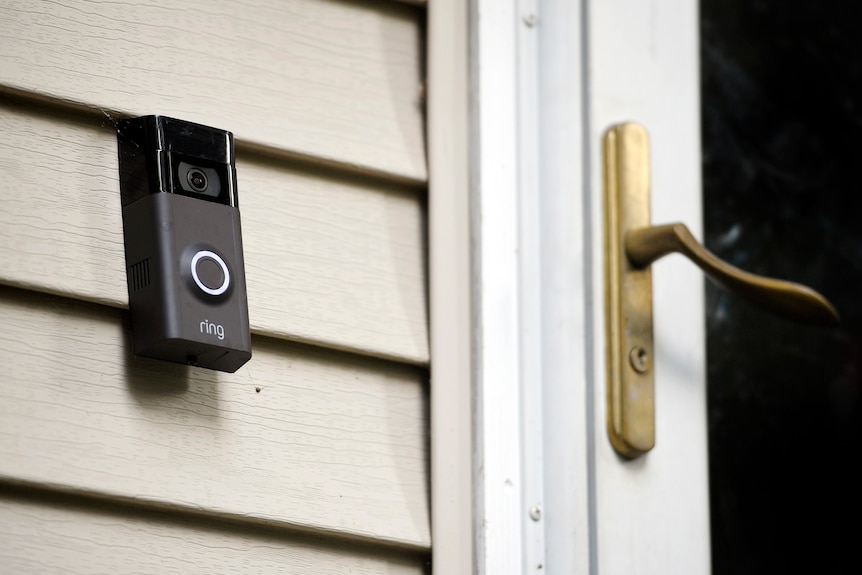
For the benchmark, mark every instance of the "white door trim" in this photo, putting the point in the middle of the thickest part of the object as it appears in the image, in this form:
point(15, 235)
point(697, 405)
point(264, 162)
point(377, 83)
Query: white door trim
point(525, 383)
point(525, 356)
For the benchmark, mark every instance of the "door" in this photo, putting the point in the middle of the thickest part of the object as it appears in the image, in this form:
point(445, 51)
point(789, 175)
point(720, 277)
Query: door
point(772, 409)
point(551, 493)
point(650, 513)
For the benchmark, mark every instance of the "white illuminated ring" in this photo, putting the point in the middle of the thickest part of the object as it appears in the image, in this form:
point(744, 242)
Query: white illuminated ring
point(215, 257)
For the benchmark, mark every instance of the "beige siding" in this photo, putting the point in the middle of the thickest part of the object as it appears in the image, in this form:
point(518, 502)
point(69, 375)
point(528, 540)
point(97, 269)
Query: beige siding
point(45, 538)
point(331, 442)
point(313, 457)
point(331, 260)
point(335, 81)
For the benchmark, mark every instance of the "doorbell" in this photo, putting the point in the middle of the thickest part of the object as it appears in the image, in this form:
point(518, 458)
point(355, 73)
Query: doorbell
point(181, 230)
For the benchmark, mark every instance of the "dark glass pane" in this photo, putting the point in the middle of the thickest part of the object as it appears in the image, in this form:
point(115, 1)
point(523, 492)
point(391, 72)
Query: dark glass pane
point(781, 88)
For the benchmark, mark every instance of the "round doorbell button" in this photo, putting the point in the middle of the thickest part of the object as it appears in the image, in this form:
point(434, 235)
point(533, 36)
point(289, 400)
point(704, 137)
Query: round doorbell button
point(210, 273)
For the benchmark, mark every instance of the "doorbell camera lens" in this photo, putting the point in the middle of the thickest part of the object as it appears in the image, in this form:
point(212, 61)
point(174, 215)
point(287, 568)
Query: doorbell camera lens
point(197, 180)
point(181, 230)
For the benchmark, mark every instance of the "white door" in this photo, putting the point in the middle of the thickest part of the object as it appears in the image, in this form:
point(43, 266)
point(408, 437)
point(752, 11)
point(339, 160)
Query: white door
point(552, 495)
point(651, 514)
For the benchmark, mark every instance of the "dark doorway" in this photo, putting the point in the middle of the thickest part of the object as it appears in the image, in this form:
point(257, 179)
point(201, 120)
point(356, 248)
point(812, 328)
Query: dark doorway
point(781, 85)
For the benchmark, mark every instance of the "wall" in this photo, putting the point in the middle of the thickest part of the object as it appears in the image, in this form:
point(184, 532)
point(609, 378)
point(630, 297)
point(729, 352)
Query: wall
point(313, 456)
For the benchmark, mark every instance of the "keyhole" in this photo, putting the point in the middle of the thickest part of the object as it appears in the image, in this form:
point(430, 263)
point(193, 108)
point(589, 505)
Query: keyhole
point(639, 359)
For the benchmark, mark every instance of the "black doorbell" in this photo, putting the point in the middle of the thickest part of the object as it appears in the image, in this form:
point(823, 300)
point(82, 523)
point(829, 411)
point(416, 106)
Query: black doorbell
point(181, 230)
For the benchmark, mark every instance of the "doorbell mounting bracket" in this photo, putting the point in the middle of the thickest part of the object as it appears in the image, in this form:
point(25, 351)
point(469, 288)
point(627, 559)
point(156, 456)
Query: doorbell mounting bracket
point(181, 230)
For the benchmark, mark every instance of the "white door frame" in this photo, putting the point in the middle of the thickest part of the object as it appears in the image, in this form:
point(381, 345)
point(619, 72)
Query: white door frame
point(523, 477)
point(523, 382)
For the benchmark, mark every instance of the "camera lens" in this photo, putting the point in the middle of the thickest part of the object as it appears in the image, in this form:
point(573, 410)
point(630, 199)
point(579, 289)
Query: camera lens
point(197, 180)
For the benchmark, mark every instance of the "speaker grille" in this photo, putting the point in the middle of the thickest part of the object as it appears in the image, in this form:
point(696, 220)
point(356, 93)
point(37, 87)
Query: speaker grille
point(139, 275)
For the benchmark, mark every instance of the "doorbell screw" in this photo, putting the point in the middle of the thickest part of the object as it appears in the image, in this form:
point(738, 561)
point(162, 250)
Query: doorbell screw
point(639, 359)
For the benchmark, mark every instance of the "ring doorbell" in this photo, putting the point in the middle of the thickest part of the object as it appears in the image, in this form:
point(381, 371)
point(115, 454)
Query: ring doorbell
point(181, 230)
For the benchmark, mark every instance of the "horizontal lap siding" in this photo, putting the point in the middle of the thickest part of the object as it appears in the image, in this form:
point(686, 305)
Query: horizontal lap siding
point(335, 82)
point(299, 437)
point(334, 261)
point(38, 538)
point(309, 458)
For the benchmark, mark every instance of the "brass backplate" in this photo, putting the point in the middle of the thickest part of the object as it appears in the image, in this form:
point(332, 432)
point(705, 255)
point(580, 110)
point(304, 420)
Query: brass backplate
point(628, 293)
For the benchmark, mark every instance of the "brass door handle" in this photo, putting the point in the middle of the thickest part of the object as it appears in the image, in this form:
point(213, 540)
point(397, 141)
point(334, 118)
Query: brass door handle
point(631, 245)
point(645, 245)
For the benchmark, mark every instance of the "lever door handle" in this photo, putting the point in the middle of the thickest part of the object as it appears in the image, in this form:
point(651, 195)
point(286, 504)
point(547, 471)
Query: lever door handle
point(632, 243)
point(645, 245)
